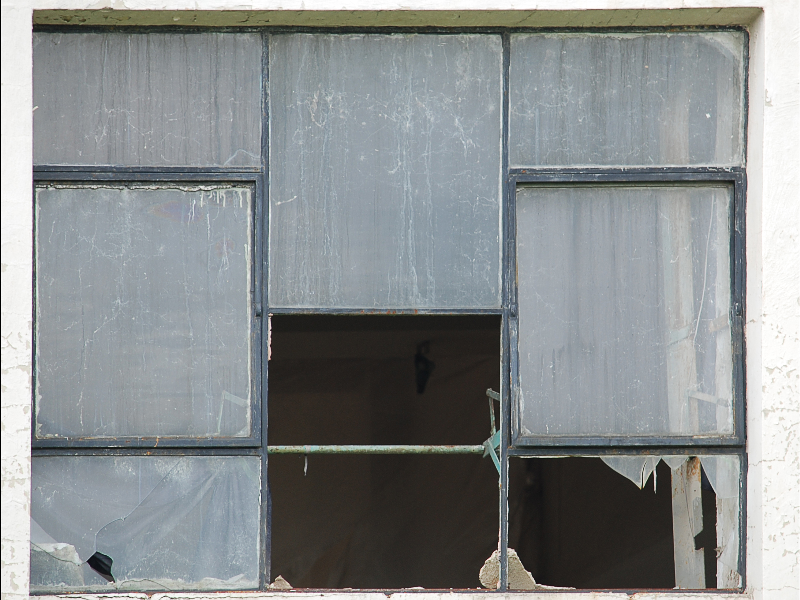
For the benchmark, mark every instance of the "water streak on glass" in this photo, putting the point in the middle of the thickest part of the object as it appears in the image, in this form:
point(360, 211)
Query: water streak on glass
point(143, 311)
point(149, 99)
point(627, 99)
point(385, 171)
point(167, 523)
point(624, 302)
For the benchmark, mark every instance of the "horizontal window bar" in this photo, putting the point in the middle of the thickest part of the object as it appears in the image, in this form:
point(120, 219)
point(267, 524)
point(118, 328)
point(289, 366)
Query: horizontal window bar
point(253, 441)
point(96, 451)
point(384, 311)
point(571, 451)
point(523, 176)
point(626, 441)
point(375, 449)
point(141, 169)
point(141, 177)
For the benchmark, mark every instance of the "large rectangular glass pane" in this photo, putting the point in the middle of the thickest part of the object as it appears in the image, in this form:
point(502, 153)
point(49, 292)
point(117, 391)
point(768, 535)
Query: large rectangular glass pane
point(624, 302)
point(627, 99)
point(385, 171)
point(163, 523)
point(143, 320)
point(183, 99)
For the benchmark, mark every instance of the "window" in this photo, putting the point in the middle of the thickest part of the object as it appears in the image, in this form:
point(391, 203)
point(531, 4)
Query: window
point(349, 237)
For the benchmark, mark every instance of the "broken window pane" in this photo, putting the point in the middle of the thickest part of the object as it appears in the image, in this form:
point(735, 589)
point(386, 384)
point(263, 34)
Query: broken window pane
point(699, 532)
point(624, 301)
point(165, 523)
point(143, 311)
point(385, 171)
point(188, 99)
point(627, 99)
point(576, 523)
point(381, 521)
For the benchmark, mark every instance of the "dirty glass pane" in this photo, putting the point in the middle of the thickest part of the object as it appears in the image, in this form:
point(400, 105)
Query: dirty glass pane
point(385, 171)
point(627, 99)
point(147, 99)
point(624, 301)
point(143, 311)
point(166, 523)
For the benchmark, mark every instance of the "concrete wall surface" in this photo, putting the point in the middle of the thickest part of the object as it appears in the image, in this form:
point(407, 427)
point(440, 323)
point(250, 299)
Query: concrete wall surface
point(772, 246)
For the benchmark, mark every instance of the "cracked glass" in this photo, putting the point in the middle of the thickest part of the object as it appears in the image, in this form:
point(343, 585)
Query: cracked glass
point(164, 523)
point(385, 174)
point(624, 310)
point(143, 311)
point(147, 99)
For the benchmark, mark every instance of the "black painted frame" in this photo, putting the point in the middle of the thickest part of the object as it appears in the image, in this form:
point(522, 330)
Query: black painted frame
point(733, 177)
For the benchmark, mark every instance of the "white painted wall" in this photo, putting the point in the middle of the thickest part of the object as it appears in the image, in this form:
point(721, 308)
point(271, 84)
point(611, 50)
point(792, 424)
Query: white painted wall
point(773, 233)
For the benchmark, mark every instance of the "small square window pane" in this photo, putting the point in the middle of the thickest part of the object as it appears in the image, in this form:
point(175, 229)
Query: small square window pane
point(627, 99)
point(143, 320)
point(624, 302)
point(147, 99)
point(385, 171)
point(166, 523)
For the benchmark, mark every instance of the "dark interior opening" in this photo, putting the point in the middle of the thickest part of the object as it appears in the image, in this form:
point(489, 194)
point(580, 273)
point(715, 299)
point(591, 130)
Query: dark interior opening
point(391, 522)
point(382, 521)
point(576, 522)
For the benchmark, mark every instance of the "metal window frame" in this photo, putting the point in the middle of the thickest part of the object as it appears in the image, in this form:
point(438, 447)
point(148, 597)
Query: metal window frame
point(79, 177)
point(640, 177)
point(521, 446)
point(511, 446)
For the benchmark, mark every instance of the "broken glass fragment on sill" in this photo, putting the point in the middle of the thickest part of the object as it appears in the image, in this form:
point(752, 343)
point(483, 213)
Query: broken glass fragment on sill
point(518, 577)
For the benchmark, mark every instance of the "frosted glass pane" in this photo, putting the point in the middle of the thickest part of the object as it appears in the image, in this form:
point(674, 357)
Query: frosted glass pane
point(627, 99)
point(624, 301)
point(385, 171)
point(147, 99)
point(143, 311)
point(166, 523)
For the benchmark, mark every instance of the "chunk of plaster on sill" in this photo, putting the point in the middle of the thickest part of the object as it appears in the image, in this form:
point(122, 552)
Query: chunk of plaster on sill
point(518, 577)
point(280, 584)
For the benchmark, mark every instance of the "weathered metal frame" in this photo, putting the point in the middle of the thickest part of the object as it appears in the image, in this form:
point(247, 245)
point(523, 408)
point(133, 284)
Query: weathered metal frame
point(511, 178)
point(79, 176)
point(638, 177)
point(734, 444)
point(253, 445)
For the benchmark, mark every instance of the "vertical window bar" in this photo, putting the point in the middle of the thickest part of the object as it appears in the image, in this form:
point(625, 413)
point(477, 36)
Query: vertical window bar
point(509, 301)
point(263, 322)
point(738, 290)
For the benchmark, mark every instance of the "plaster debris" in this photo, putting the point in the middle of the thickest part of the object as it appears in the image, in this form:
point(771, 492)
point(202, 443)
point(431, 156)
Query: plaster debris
point(280, 584)
point(518, 577)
